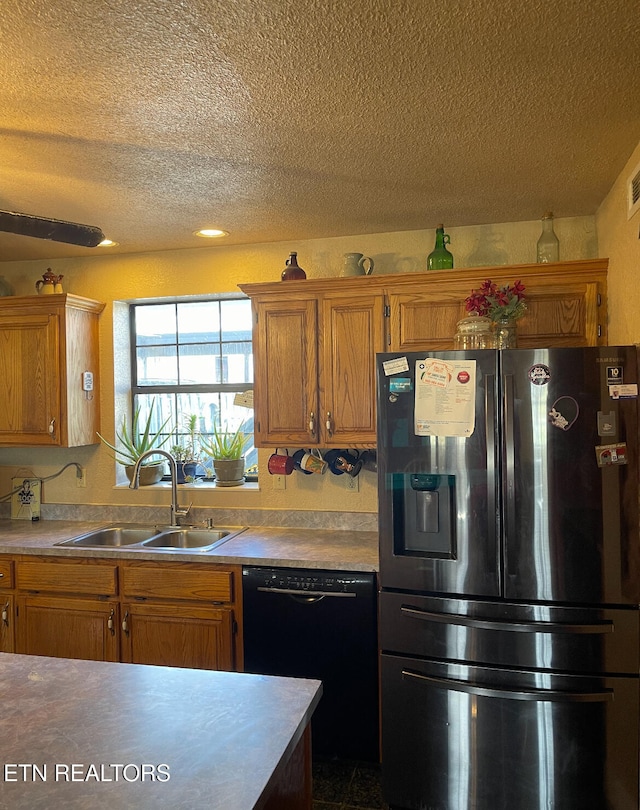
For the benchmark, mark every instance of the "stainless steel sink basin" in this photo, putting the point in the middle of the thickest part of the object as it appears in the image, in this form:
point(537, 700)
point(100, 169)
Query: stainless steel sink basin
point(113, 537)
point(158, 538)
point(188, 539)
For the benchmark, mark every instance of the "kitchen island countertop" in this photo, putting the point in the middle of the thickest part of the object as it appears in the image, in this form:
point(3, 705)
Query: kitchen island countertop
point(87, 734)
point(265, 545)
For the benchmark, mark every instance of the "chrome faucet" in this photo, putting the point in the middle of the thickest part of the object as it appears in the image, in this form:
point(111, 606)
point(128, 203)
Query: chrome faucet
point(176, 511)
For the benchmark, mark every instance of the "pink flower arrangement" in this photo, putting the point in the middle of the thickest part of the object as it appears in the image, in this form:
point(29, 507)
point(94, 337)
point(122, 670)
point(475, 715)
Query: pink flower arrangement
point(497, 302)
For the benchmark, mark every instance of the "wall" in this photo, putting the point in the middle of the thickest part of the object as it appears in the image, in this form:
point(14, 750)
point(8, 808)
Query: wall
point(619, 239)
point(200, 271)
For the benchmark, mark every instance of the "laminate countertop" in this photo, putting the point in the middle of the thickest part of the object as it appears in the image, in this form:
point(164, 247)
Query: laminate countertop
point(331, 549)
point(88, 734)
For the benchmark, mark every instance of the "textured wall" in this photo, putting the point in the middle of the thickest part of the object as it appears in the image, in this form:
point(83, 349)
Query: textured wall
point(197, 272)
point(619, 239)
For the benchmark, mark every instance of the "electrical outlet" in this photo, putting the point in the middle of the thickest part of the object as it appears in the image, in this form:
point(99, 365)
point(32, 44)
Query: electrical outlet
point(81, 477)
point(279, 481)
point(352, 483)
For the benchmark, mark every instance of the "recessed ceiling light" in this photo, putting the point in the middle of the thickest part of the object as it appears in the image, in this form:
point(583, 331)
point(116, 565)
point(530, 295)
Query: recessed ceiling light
point(210, 233)
point(107, 243)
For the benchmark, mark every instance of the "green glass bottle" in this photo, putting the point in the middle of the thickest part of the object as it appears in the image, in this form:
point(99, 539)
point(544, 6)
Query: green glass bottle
point(440, 258)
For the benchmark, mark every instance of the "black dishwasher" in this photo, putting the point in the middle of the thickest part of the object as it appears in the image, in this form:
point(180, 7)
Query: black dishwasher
point(319, 624)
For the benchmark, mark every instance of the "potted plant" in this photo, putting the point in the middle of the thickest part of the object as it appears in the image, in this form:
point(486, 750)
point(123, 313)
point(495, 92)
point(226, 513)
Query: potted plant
point(131, 445)
point(186, 454)
point(226, 450)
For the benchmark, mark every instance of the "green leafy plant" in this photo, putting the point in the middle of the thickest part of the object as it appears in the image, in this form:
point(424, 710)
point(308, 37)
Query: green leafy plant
point(130, 446)
point(225, 444)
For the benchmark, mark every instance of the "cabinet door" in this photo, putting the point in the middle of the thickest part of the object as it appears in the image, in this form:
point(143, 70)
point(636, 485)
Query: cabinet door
point(352, 333)
point(30, 373)
point(286, 373)
point(564, 314)
point(66, 627)
point(7, 622)
point(559, 313)
point(175, 635)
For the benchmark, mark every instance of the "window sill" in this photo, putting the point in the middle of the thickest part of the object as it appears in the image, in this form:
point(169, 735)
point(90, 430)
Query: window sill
point(204, 487)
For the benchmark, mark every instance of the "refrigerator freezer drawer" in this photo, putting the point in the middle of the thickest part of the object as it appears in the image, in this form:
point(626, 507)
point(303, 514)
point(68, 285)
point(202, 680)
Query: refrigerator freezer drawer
point(546, 637)
point(459, 737)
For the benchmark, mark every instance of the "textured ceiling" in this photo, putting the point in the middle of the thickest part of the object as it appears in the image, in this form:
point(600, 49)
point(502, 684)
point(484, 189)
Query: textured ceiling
point(294, 119)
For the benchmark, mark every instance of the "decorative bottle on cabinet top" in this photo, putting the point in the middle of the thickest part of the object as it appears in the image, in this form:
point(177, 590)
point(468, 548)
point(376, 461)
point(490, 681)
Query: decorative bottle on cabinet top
point(292, 272)
point(440, 258)
point(548, 248)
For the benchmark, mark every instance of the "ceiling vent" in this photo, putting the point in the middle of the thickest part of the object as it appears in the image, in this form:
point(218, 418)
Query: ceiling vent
point(633, 192)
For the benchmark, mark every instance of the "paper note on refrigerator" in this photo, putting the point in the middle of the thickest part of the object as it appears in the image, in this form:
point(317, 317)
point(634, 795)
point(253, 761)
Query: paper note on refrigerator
point(445, 397)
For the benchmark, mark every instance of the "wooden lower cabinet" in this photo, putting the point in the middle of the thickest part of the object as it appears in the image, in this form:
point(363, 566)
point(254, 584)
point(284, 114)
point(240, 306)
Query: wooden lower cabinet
point(7, 623)
point(68, 627)
point(176, 635)
point(142, 612)
point(7, 606)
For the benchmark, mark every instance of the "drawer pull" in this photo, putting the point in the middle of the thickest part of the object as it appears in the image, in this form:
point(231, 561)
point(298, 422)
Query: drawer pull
point(5, 614)
point(125, 623)
point(110, 622)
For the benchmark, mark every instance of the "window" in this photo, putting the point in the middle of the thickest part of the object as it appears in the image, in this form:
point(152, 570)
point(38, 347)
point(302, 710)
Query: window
point(190, 360)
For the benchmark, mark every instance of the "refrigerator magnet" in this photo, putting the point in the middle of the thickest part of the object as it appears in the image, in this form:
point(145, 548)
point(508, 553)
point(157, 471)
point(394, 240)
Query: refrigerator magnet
point(539, 374)
point(564, 413)
point(629, 391)
point(609, 455)
point(395, 366)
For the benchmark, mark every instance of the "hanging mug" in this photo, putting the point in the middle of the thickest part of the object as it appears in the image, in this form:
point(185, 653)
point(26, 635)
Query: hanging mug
point(279, 464)
point(313, 462)
point(297, 459)
point(354, 265)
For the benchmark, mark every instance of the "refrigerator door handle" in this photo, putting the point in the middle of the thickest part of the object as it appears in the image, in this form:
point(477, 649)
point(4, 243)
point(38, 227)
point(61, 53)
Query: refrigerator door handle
point(501, 624)
point(509, 450)
point(541, 695)
point(490, 433)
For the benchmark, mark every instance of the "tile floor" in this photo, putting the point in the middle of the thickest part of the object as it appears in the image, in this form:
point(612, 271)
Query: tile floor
point(343, 785)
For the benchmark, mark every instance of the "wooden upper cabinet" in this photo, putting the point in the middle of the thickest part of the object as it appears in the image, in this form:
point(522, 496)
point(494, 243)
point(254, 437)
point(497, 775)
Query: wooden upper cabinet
point(47, 342)
point(566, 305)
point(314, 358)
point(351, 333)
point(285, 356)
point(315, 340)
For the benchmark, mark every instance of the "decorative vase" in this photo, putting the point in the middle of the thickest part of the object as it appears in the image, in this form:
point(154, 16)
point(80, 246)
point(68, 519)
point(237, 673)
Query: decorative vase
point(149, 473)
point(440, 258)
point(292, 271)
point(356, 264)
point(506, 334)
point(229, 472)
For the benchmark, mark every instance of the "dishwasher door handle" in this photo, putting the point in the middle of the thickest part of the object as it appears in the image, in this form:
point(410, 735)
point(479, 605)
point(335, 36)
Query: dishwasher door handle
point(298, 592)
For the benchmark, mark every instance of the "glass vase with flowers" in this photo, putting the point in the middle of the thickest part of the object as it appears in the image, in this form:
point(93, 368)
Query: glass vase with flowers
point(503, 305)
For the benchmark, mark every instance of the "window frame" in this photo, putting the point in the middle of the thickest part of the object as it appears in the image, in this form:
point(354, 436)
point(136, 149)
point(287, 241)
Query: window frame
point(177, 389)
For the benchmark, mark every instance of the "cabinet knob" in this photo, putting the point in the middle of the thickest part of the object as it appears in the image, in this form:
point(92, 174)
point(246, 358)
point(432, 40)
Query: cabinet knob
point(329, 424)
point(312, 423)
point(5, 614)
point(110, 621)
point(125, 623)
point(52, 427)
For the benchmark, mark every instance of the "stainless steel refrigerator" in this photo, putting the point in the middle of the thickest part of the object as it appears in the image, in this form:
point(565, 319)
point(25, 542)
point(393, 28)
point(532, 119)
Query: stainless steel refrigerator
point(510, 587)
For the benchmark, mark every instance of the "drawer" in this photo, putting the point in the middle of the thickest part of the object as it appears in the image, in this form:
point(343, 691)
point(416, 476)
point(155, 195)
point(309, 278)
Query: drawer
point(201, 583)
point(67, 577)
point(6, 573)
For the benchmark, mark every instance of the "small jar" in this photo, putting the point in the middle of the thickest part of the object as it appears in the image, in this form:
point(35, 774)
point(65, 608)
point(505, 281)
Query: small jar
point(474, 332)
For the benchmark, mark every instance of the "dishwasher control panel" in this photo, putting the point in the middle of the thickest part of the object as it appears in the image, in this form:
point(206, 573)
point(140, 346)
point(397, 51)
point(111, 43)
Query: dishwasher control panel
point(305, 580)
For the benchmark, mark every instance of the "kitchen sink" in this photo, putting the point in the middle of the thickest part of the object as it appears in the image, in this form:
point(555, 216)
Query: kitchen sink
point(188, 539)
point(159, 538)
point(113, 537)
